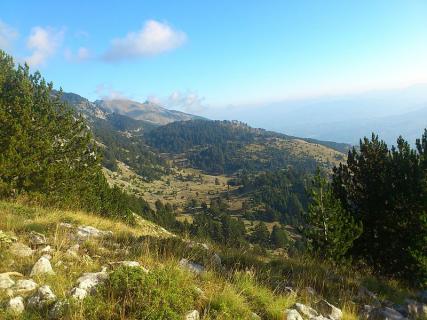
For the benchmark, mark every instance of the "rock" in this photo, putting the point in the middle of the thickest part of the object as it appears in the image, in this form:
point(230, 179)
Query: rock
point(319, 318)
point(37, 239)
point(24, 286)
point(416, 309)
point(20, 250)
point(292, 314)
point(65, 225)
point(289, 290)
point(58, 310)
point(327, 309)
point(192, 315)
point(88, 232)
point(129, 263)
point(306, 311)
point(42, 266)
point(254, 316)
point(191, 266)
point(382, 313)
point(6, 281)
point(16, 305)
point(78, 293)
point(46, 250)
point(216, 260)
point(73, 252)
point(43, 297)
point(87, 283)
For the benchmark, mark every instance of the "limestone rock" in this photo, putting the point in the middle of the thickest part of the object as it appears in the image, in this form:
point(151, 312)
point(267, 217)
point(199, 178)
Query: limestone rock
point(37, 239)
point(5, 281)
point(42, 266)
point(20, 250)
point(73, 252)
point(88, 232)
point(382, 313)
point(24, 286)
point(46, 250)
point(16, 305)
point(129, 263)
point(192, 315)
point(292, 314)
point(78, 293)
point(43, 297)
point(65, 225)
point(306, 311)
point(191, 266)
point(327, 309)
point(216, 260)
point(58, 310)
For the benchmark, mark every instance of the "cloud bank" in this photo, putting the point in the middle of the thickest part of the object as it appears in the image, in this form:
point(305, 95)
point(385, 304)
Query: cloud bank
point(44, 43)
point(154, 38)
point(7, 35)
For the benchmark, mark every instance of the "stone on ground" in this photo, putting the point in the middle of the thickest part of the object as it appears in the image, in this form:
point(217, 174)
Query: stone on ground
point(329, 310)
point(306, 311)
point(191, 266)
point(42, 298)
point(16, 305)
point(192, 315)
point(292, 314)
point(42, 266)
point(21, 250)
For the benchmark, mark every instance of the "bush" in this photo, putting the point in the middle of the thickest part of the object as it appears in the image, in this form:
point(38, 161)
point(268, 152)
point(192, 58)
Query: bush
point(131, 293)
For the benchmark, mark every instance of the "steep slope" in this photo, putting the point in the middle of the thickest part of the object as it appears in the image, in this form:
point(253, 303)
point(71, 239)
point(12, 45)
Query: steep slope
point(148, 111)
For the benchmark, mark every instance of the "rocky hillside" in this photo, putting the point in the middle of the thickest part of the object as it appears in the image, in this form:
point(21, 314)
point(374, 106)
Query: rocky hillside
point(72, 265)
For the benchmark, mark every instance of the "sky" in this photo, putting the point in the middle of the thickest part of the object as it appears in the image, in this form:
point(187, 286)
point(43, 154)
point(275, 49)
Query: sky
point(194, 54)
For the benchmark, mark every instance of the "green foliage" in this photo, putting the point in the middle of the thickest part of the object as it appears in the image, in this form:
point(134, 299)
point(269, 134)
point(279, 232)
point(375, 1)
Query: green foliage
point(131, 293)
point(279, 237)
point(385, 189)
point(330, 230)
point(261, 235)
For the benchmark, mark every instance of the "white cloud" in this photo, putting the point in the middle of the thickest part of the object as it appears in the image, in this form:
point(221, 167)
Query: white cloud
point(81, 55)
point(189, 101)
point(7, 35)
point(107, 92)
point(44, 43)
point(154, 38)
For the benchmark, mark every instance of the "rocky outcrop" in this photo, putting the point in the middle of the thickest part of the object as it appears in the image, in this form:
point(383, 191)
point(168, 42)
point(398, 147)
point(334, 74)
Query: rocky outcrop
point(24, 286)
point(292, 314)
point(328, 310)
point(88, 232)
point(306, 311)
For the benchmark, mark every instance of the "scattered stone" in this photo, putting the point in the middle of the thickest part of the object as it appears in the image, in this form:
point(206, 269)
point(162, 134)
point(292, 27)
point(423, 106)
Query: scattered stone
point(16, 305)
point(254, 316)
point(58, 310)
point(73, 252)
point(87, 283)
point(129, 263)
point(327, 309)
point(216, 260)
point(416, 309)
point(43, 297)
point(381, 313)
point(20, 250)
point(42, 266)
point(78, 293)
point(306, 311)
point(24, 286)
point(192, 315)
point(37, 239)
point(191, 266)
point(5, 281)
point(65, 225)
point(88, 232)
point(289, 290)
point(47, 250)
point(292, 314)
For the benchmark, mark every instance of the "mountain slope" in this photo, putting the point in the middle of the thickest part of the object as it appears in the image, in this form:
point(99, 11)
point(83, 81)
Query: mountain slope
point(148, 111)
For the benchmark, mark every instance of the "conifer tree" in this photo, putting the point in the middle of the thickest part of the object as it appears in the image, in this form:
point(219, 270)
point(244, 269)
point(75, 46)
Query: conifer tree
point(330, 230)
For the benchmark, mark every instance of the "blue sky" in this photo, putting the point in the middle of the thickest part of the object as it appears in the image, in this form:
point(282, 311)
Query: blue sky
point(190, 54)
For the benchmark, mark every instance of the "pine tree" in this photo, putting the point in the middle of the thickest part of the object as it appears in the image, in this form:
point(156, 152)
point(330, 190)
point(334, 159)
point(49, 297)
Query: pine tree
point(330, 230)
